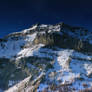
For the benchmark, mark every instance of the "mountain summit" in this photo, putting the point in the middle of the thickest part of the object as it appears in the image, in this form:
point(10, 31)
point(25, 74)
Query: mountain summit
point(47, 58)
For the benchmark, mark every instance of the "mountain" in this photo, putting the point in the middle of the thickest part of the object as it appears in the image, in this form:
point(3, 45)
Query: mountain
point(47, 58)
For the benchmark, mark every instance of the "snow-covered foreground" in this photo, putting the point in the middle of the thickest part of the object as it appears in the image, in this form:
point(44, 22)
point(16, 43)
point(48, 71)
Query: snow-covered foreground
point(70, 67)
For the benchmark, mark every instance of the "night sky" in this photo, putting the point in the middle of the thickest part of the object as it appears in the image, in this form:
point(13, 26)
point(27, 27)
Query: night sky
point(16, 15)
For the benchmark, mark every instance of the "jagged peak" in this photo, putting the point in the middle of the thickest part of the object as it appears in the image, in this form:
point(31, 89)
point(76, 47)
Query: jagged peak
point(43, 28)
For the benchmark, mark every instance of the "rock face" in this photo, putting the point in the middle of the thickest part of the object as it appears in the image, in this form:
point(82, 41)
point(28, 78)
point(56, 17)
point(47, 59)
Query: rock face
point(63, 41)
point(66, 37)
point(46, 58)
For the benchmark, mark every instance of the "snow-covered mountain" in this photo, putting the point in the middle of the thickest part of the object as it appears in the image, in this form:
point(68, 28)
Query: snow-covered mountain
point(47, 58)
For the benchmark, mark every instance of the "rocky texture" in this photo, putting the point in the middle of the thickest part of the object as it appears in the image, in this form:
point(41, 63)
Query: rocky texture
point(63, 39)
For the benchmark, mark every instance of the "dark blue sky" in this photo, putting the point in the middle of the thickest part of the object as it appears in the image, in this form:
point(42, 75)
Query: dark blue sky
point(16, 15)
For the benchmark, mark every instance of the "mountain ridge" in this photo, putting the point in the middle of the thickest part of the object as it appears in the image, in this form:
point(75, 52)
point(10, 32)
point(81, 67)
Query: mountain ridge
point(58, 57)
